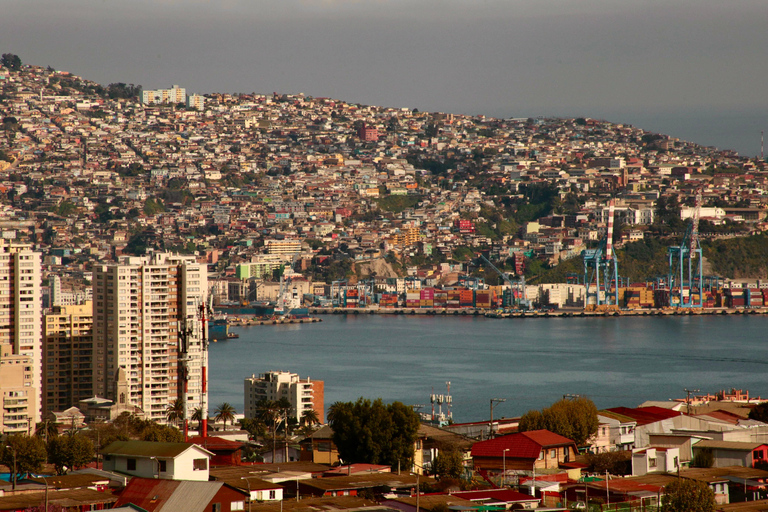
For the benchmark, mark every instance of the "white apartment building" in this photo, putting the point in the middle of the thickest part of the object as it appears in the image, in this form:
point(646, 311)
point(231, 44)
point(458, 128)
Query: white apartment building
point(303, 394)
point(147, 320)
point(175, 94)
point(21, 313)
point(196, 101)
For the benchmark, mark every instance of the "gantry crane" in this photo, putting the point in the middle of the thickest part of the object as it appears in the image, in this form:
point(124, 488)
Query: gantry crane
point(687, 254)
point(518, 285)
point(601, 272)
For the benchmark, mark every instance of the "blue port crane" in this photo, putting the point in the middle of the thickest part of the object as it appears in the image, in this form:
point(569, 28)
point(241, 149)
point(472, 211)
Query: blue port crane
point(686, 265)
point(519, 285)
point(601, 271)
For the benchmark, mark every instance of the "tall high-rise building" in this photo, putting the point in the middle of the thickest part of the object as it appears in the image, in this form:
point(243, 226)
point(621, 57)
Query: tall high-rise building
point(67, 357)
point(21, 308)
point(147, 320)
point(303, 394)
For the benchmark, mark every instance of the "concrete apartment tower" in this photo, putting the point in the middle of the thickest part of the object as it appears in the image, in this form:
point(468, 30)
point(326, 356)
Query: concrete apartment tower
point(303, 394)
point(147, 321)
point(67, 356)
point(21, 315)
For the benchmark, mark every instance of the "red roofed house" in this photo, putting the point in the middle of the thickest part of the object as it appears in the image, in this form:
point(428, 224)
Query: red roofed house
point(525, 451)
point(499, 497)
point(157, 495)
point(225, 452)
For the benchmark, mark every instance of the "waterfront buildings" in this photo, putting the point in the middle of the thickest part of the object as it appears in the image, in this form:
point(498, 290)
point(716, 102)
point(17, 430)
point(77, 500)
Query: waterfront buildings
point(21, 310)
point(67, 357)
point(303, 394)
point(148, 321)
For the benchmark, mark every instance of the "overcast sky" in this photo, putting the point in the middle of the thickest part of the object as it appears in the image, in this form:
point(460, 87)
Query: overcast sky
point(636, 61)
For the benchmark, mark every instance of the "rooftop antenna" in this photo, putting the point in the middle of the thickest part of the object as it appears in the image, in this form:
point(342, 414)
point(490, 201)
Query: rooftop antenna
point(762, 157)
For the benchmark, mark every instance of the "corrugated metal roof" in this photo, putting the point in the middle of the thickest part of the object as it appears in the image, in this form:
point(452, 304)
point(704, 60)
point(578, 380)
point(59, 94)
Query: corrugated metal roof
point(149, 449)
point(727, 445)
point(68, 498)
point(191, 497)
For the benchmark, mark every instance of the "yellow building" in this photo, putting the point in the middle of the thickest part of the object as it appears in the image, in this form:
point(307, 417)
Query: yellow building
point(67, 356)
point(19, 396)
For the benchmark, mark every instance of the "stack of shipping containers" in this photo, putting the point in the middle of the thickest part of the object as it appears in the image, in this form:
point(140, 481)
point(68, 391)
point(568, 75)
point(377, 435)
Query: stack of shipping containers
point(388, 300)
point(353, 296)
point(636, 297)
point(412, 299)
point(466, 298)
point(483, 299)
point(454, 299)
point(427, 297)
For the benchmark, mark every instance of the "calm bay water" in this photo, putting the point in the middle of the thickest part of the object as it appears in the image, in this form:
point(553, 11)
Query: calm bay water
point(532, 363)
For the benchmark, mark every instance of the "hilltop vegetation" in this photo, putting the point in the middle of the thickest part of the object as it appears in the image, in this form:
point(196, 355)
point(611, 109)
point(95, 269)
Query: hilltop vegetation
point(739, 257)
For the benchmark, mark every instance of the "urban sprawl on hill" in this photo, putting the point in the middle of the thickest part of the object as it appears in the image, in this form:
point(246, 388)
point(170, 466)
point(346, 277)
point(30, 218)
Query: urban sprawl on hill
point(128, 216)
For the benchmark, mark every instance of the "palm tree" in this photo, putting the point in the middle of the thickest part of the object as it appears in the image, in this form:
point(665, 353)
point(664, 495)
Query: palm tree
point(225, 412)
point(309, 417)
point(197, 415)
point(47, 430)
point(175, 412)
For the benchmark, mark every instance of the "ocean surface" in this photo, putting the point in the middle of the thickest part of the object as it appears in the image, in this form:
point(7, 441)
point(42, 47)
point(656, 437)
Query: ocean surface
point(530, 362)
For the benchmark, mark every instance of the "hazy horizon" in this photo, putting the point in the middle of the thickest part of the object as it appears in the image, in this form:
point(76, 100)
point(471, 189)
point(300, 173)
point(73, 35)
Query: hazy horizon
point(688, 69)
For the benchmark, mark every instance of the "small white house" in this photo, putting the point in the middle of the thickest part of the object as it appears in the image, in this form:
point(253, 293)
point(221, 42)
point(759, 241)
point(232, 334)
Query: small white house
point(261, 490)
point(169, 461)
point(655, 460)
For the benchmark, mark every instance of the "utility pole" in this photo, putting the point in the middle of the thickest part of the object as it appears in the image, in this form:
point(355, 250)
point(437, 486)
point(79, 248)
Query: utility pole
point(688, 397)
point(494, 403)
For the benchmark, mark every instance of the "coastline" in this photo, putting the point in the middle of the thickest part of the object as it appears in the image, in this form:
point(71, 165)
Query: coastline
point(563, 313)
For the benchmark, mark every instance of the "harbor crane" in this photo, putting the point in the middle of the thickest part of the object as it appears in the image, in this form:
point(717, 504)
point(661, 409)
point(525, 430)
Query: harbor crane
point(601, 272)
point(686, 265)
point(519, 285)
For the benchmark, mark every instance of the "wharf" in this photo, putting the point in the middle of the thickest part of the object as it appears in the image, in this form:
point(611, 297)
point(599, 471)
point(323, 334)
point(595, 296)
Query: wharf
point(571, 313)
point(246, 322)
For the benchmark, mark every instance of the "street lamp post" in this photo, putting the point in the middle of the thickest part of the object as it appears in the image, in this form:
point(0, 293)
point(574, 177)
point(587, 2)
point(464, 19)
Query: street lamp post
point(249, 491)
point(504, 467)
point(46, 492)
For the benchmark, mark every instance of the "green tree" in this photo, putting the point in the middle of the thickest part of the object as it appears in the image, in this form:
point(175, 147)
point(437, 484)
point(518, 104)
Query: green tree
point(309, 417)
point(46, 430)
point(759, 412)
point(29, 452)
point(371, 432)
point(703, 458)
point(161, 433)
point(225, 412)
point(153, 206)
point(11, 61)
point(198, 416)
point(175, 411)
point(255, 427)
point(448, 464)
point(684, 495)
point(574, 419)
point(70, 452)
point(616, 463)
